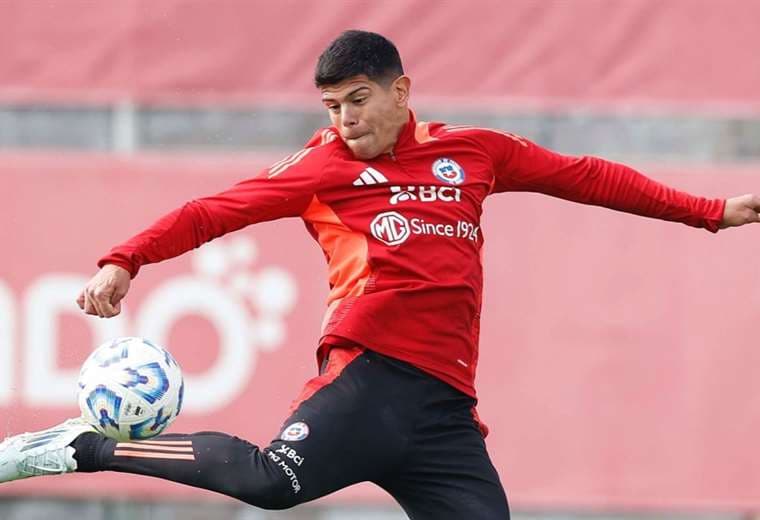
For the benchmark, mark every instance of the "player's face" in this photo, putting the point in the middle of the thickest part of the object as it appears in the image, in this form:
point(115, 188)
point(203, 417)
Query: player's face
point(368, 115)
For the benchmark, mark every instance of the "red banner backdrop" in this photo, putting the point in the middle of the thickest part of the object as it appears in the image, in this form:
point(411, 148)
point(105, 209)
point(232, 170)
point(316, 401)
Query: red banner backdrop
point(483, 52)
point(618, 359)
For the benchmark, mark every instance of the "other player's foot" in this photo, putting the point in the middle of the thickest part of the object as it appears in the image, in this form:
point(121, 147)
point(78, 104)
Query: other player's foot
point(46, 452)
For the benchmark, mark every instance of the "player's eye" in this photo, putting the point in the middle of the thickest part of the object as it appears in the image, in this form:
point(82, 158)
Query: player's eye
point(333, 108)
point(360, 101)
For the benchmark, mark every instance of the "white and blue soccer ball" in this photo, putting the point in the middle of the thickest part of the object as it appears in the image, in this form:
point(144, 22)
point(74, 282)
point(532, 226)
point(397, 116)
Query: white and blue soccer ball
point(130, 389)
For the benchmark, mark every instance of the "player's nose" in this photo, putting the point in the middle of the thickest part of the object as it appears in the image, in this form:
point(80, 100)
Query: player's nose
point(348, 117)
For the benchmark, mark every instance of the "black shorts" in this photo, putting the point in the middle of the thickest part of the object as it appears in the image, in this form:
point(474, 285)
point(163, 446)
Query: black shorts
point(369, 417)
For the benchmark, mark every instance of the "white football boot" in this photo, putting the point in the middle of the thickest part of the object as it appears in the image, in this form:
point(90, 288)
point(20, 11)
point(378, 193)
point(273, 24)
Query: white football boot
point(46, 452)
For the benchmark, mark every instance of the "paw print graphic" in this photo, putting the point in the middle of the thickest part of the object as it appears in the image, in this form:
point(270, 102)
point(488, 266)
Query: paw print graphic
point(269, 293)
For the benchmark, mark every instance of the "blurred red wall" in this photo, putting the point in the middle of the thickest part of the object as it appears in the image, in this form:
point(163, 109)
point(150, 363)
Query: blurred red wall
point(679, 53)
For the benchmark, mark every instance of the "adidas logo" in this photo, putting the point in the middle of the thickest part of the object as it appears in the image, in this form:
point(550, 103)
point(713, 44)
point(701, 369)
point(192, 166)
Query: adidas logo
point(370, 176)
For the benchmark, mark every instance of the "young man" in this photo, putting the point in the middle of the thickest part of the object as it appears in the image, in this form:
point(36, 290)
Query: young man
point(395, 204)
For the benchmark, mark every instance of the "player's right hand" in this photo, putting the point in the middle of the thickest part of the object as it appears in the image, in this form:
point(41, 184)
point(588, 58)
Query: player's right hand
point(103, 293)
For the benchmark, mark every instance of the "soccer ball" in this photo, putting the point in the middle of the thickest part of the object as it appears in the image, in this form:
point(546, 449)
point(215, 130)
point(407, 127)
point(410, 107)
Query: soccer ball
point(130, 389)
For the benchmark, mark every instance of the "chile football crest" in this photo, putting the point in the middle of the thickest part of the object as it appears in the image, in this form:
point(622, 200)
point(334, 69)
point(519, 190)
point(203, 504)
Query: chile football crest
point(447, 170)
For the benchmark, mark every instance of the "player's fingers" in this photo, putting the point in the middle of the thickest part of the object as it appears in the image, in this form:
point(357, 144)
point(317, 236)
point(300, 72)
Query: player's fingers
point(118, 294)
point(103, 301)
point(754, 205)
point(748, 214)
point(95, 299)
point(115, 301)
point(749, 204)
point(109, 299)
point(89, 307)
point(108, 310)
point(80, 300)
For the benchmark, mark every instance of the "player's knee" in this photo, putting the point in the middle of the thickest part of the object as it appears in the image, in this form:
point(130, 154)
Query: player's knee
point(279, 491)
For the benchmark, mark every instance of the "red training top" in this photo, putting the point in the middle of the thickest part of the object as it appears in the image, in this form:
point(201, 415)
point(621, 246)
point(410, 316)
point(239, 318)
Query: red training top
point(401, 232)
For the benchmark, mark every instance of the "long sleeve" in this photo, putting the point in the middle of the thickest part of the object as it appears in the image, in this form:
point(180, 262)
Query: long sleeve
point(520, 165)
point(283, 190)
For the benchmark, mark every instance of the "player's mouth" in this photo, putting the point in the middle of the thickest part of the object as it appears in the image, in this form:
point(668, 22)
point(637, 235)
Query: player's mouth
point(354, 138)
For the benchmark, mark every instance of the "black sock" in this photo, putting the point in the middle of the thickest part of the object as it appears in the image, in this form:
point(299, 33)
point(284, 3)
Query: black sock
point(88, 446)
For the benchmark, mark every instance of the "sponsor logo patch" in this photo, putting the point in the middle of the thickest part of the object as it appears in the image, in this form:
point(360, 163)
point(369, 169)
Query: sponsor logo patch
point(392, 228)
point(425, 194)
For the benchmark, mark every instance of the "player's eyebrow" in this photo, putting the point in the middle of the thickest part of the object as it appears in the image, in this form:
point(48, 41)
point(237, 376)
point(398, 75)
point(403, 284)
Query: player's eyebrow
point(352, 93)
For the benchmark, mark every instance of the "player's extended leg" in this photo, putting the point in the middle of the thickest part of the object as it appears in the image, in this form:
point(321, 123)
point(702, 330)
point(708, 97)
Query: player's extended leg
point(342, 432)
point(209, 460)
point(335, 438)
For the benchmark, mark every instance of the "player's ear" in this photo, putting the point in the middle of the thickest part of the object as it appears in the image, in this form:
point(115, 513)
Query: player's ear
point(400, 90)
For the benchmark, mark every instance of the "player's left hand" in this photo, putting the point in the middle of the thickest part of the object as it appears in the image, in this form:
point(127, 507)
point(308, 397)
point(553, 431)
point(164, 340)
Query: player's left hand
point(741, 210)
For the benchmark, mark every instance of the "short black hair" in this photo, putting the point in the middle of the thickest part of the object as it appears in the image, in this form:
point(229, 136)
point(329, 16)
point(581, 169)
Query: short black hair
point(358, 52)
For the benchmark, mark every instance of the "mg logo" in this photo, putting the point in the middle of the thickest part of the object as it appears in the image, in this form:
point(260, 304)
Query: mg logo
point(390, 228)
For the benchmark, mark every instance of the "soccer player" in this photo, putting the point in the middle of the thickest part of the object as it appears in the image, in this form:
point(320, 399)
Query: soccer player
point(395, 204)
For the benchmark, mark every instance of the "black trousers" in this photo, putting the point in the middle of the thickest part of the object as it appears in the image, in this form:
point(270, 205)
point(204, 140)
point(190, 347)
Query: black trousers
point(367, 417)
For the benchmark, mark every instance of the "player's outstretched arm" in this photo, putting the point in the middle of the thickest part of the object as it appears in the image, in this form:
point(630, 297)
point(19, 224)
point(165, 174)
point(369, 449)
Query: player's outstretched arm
point(524, 166)
point(103, 293)
point(284, 190)
point(741, 210)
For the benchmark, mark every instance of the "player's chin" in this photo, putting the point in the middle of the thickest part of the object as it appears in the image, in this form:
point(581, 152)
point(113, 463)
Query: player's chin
point(362, 149)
